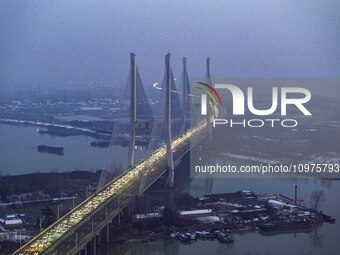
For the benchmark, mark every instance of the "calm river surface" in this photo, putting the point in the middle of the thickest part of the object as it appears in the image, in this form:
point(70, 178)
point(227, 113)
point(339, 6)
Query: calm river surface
point(19, 154)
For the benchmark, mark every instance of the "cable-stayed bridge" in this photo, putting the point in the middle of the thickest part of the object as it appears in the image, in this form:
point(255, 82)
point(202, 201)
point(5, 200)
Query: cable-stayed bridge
point(173, 135)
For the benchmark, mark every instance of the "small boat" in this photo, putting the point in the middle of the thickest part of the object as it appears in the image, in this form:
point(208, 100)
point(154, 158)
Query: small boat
point(182, 237)
point(173, 234)
point(100, 144)
point(191, 236)
point(205, 234)
point(289, 225)
point(328, 218)
point(223, 238)
point(42, 131)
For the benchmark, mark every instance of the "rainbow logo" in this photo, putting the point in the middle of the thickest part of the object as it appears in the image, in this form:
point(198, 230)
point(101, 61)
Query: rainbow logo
point(211, 92)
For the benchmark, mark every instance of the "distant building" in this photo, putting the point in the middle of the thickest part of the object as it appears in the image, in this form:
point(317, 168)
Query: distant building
point(266, 197)
point(12, 221)
point(246, 193)
point(283, 206)
point(144, 216)
point(195, 213)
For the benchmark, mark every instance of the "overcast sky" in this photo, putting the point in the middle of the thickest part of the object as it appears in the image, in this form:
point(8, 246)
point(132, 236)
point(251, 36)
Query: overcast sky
point(72, 42)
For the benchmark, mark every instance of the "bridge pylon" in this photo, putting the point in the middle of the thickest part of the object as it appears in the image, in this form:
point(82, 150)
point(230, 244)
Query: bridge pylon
point(186, 100)
point(184, 91)
point(168, 141)
point(135, 121)
point(133, 110)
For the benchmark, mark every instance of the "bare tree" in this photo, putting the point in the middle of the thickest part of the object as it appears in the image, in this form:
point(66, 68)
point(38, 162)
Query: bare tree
point(316, 199)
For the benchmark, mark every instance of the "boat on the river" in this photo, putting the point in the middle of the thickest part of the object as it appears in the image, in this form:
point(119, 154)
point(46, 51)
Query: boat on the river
point(224, 238)
point(328, 218)
point(205, 234)
point(182, 237)
point(288, 225)
point(51, 149)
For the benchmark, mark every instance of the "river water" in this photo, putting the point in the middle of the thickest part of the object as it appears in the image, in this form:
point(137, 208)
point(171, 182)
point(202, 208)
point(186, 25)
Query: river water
point(19, 154)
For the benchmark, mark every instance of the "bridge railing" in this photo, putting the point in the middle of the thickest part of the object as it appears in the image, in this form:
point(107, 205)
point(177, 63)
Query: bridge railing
point(111, 207)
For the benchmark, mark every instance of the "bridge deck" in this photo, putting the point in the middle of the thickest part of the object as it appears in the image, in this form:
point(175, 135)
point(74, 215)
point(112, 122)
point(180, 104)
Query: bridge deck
point(74, 230)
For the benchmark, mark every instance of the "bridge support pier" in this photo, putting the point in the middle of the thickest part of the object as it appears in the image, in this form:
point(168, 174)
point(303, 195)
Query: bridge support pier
point(85, 250)
point(118, 219)
point(99, 238)
point(130, 208)
point(108, 233)
point(95, 245)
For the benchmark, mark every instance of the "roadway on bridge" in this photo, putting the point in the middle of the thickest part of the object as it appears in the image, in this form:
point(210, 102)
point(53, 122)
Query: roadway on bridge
point(70, 233)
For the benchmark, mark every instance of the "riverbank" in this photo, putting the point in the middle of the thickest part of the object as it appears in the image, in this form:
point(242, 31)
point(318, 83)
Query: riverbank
point(19, 190)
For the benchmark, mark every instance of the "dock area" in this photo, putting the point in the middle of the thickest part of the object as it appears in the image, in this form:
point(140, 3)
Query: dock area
point(218, 216)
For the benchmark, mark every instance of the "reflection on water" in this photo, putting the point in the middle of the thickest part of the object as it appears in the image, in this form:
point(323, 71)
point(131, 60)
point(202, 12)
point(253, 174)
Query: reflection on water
point(317, 237)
